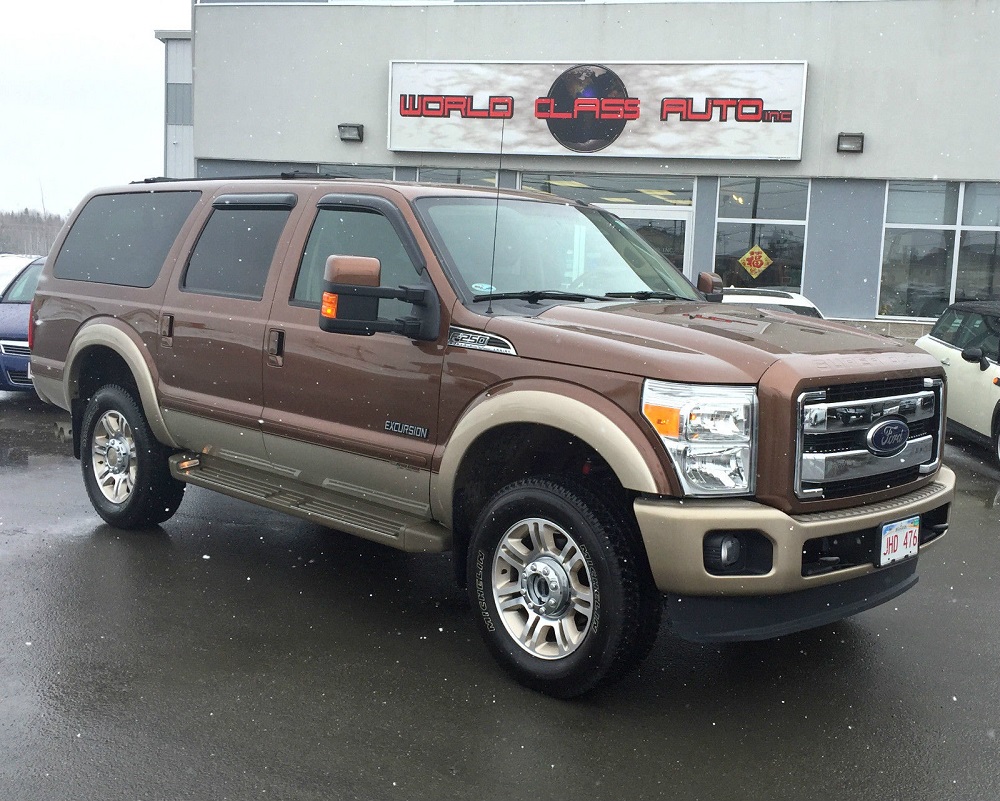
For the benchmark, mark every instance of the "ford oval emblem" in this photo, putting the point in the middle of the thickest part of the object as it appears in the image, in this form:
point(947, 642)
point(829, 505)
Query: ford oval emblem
point(888, 437)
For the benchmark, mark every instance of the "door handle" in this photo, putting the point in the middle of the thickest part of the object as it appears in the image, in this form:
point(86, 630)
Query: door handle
point(946, 361)
point(275, 347)
point(167, 330)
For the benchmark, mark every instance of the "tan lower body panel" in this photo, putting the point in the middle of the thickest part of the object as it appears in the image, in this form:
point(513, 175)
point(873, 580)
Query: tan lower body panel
point(674, 531)
point(369, 521)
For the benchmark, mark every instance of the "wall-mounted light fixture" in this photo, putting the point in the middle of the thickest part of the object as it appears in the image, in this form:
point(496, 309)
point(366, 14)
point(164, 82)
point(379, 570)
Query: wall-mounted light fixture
point(351, 132)
point(849, 143)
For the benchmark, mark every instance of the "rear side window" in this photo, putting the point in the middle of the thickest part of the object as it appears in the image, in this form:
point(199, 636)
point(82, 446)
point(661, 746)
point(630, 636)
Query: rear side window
point(234, 252)
point(124, 239)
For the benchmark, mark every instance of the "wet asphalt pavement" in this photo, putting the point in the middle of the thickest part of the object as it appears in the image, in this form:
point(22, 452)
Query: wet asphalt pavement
point(236, 653)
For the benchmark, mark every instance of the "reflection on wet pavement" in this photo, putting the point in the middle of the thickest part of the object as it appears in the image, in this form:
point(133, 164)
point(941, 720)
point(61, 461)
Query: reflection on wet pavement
point(30, 428)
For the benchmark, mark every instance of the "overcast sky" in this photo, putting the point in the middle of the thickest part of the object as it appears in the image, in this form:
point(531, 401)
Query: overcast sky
point(81, 96)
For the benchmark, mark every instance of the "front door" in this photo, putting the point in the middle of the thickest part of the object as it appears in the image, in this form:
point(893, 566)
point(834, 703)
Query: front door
point(353, 415)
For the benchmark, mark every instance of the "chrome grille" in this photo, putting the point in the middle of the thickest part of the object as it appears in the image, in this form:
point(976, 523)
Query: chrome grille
point(835, 457)
point(9, 348)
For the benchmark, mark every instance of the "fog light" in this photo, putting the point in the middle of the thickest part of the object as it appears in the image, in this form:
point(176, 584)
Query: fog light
point(722, 552)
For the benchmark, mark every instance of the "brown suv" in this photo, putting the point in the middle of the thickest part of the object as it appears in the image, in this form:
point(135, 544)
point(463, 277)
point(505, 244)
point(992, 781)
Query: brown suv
point(513, 377)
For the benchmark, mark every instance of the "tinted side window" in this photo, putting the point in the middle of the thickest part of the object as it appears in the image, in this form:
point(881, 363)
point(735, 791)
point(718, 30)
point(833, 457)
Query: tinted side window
point(354, 232)
point(991, 342)
point(124, 239)
point(981, 331)
point(949, 326)
point(234, 252)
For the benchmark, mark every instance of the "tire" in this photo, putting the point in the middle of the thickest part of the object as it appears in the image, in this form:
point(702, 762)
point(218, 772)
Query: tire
point(125, 468)
point(559, 595)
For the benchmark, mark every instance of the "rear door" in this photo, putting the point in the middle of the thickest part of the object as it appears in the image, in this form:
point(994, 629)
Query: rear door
point(212, 327)
point(355, 415)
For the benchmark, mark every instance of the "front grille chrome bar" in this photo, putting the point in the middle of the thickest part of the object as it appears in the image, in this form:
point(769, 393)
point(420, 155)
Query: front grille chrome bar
point(831, 447)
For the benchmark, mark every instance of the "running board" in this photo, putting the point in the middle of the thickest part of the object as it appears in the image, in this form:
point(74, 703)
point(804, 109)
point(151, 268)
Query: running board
point(368, 521)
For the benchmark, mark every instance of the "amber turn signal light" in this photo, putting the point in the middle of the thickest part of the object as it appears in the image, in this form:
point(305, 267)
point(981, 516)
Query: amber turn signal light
point(666, 421)
point(328, 307)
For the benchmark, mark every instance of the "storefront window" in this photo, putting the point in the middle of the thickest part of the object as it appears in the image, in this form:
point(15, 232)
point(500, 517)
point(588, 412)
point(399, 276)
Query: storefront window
point(613, 189)
point(760, 234)
point(368, 171)
point(922, 269)
point(448, 175)
point(763, 198)
point(979, 249)
point(922, 203)
point(916, 272)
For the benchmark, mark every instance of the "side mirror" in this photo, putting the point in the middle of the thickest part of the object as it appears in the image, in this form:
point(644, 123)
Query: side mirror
point(973, 355)
point(351, 293)
point(710, 285)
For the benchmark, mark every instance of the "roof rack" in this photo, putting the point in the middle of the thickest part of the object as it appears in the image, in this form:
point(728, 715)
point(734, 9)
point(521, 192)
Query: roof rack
point(285, 176)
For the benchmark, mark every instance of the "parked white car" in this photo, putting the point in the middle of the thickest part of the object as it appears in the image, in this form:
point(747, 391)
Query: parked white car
point(775, 299)
point(966, 340)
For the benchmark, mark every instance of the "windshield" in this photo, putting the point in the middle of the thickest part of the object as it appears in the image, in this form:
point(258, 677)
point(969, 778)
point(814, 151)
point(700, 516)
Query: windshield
point(22, 290)
point(544, 247)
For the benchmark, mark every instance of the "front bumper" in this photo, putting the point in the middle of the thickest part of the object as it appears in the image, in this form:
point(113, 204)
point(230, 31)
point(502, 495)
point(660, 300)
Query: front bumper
point(674, 531)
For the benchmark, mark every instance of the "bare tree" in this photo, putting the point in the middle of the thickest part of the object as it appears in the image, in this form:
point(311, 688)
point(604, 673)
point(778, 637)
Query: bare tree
point(29, 232)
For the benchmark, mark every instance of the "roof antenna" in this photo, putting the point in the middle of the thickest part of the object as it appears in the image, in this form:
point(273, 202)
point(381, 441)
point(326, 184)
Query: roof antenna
point(496, 216)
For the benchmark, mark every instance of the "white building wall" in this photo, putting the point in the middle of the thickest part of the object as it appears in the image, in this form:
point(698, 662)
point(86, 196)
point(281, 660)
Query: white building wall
point(179, 152)
point(915, 76)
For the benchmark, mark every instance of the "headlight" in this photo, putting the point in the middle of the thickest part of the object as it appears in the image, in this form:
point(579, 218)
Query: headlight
point(710, 433)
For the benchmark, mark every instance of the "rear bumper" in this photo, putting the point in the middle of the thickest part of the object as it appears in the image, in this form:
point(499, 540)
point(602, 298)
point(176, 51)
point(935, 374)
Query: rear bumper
point(780, 598)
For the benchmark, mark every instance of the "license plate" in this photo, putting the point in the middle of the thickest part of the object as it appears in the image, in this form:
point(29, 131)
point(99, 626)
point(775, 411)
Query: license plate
point(900, 540)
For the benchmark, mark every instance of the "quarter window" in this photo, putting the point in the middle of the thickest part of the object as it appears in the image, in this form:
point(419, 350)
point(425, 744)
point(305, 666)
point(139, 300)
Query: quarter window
point(124, 239)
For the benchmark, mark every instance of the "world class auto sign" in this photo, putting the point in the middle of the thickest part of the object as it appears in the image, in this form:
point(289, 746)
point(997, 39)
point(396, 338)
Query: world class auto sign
point(717, 110)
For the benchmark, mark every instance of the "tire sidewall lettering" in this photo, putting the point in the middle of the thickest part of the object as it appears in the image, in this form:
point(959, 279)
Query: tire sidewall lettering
point(484, 608)
point(595, 586)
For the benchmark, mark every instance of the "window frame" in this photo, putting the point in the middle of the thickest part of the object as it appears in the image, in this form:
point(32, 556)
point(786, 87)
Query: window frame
point(957, 229)
point(760, 221)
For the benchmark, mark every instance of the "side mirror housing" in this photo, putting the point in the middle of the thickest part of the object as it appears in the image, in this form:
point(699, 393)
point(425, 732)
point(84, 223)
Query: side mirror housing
point(351, 294)
point(710, 285)
point(974, 355)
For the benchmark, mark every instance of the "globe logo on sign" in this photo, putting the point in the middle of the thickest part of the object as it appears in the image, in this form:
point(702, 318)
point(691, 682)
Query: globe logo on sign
point(587, 108)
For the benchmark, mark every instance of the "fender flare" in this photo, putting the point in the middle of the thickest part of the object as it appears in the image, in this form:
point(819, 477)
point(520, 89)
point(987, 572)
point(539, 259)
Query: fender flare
point(123, 340)
point(598, 422)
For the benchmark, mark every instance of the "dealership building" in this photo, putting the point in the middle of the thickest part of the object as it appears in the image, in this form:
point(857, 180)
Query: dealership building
point(845, 149)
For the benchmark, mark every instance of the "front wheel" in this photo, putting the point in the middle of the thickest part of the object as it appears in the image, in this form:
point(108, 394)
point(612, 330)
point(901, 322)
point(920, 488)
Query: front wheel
point(125, 468)
point(558, 593)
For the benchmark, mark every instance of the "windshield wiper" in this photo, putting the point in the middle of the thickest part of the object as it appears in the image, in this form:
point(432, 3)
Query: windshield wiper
point(535, 295)
point(646, 294)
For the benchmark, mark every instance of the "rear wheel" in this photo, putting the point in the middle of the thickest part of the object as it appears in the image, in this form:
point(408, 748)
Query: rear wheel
point(125, 468)
point(560, 597)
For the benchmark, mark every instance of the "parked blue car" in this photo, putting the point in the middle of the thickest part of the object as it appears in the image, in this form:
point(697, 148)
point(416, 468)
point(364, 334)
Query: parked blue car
point(15, 308)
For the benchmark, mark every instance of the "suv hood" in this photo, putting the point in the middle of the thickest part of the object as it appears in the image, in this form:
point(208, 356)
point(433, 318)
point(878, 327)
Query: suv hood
point(722, 344)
